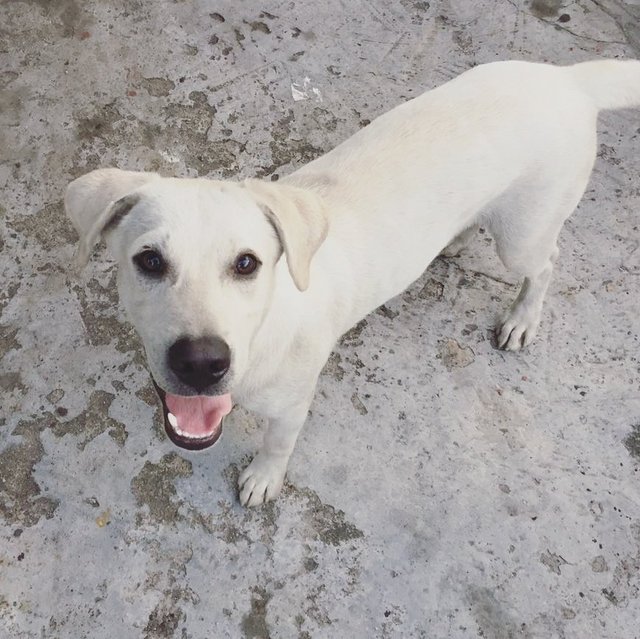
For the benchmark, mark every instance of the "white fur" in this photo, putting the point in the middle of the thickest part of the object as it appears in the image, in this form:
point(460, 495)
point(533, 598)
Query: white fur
point(508, 145)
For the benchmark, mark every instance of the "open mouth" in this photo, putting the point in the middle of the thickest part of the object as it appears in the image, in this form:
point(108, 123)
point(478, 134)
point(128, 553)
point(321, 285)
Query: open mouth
point(194, 423)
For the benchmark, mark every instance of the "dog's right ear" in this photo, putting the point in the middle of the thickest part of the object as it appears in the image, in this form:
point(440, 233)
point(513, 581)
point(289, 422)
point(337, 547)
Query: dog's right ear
point(99, 199)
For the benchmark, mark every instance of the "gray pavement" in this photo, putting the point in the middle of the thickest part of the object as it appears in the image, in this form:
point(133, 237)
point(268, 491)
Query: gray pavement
point(441, 488)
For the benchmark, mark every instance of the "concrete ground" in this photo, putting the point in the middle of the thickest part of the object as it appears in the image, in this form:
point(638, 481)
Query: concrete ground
point(441, 488)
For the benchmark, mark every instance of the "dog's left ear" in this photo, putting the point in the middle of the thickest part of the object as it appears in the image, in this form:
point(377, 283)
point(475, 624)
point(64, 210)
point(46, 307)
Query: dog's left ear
point(300, 219)
point(98, 200)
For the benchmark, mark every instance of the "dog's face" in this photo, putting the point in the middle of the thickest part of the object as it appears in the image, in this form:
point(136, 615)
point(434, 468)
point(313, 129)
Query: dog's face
point(197, 266)
point(196, 262)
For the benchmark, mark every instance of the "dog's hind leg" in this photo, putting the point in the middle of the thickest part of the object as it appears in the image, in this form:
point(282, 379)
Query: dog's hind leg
point(520, 324)
point(527, 244)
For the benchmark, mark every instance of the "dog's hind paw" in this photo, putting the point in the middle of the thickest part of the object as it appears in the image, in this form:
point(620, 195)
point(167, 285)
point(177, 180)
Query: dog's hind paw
point(262, 479)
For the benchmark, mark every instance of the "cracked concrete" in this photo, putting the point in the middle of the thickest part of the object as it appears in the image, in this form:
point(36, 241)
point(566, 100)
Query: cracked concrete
point(441, 488)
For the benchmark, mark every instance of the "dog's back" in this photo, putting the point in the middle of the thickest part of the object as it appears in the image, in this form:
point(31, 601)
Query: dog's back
point(507, 144)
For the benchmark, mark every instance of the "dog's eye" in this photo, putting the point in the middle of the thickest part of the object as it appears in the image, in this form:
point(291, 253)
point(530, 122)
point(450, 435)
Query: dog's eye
point(150, 262)
point(246, 264)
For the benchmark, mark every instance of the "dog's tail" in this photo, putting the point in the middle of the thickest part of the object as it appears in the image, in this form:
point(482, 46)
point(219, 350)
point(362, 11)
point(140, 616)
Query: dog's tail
point(611, 84)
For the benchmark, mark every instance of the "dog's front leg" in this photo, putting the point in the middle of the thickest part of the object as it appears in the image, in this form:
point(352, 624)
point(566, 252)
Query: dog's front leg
point(262, 480)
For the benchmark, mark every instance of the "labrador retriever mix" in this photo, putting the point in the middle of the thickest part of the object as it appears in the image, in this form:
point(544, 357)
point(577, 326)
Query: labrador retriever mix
point(242, 289)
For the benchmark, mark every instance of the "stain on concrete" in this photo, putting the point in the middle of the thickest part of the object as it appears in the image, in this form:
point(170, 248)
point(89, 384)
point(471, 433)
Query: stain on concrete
point(150, 397)
point(226, 525)
point(240, 37)
point(66, 16)
point(286, 148)
point(166, 616)
point(453, 355)
point(624, 586)
point(302, 634)
point(99, 312)
point(12, 106)
point(463, 41)
point(7, 294)
point(385, 311)
point(632, 441)
point(164, 619)
point(49, 226)
point(10, 382)
point(193, 122)
point(417, 9)
point(93, 421)
point(7, 77)
point(608, 154)
point(491, 617)
point(545, 8)
point(599, 564)
point(327, 524)
point(610, 596)
point(469, 329)
point(358, 365)
point(323, 120)
point(194, 118)
point(217, 155)
point(254, 623)
point(104, 296)
point(158, 87)
point(8, 341)
point(20, 495)
point(185, 133)
point(352, 337)
point(433, 289)
point(552, 561)
point(153, 487)
point(101, 124)
point(314, 609)
point(260, 26)
point(333, 367)
point(55, 395)
point(358, 405)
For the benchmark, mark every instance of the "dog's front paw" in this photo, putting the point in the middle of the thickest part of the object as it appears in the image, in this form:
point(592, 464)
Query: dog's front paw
point(518, 329)
point(262, 479)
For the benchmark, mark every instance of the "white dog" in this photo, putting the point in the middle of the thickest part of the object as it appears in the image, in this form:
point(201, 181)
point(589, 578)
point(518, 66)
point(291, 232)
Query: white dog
point(242, 289)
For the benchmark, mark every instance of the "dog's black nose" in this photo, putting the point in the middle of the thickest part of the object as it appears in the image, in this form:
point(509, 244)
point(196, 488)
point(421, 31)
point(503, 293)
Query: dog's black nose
point(201, 362)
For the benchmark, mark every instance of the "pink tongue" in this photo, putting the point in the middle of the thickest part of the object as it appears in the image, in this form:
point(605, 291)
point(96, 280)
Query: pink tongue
point(199, 416)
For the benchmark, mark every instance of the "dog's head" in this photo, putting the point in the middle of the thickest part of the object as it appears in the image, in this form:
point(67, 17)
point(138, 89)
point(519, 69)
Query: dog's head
point(198, 262)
